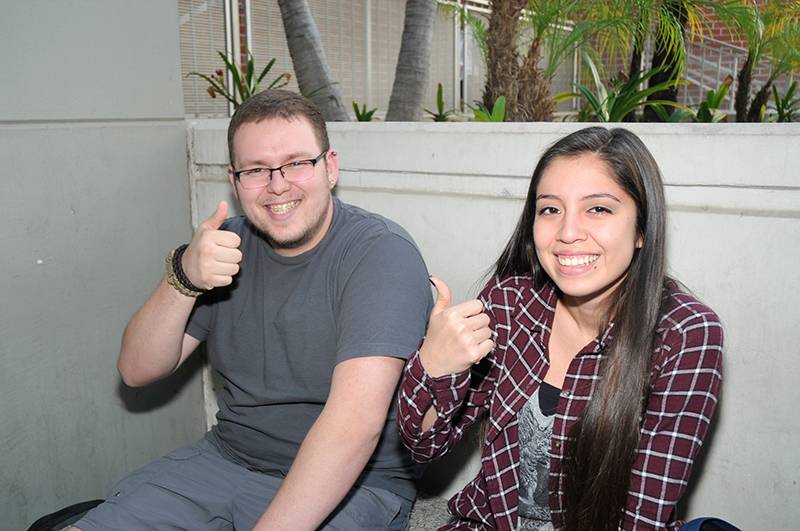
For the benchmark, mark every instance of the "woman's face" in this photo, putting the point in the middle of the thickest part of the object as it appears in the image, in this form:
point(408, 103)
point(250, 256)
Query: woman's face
point(584, 228)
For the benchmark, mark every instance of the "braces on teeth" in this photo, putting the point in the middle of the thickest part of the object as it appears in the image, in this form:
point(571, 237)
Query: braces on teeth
point(282, 209)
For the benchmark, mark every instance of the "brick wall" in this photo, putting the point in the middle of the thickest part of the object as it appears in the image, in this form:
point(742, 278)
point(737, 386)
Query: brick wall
point(242, 32)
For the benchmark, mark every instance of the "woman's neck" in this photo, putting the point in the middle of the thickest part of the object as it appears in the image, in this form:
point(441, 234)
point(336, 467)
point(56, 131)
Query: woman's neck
point(589, 316)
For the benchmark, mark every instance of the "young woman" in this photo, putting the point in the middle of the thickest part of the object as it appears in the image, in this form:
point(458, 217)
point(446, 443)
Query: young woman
point(597, 374)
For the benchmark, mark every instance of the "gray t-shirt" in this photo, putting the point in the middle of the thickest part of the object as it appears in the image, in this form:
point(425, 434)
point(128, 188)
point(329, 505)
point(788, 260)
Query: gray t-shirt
point(535, 433)
point(275, 335)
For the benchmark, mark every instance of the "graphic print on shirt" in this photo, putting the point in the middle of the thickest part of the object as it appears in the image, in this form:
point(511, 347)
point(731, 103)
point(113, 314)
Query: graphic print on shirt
point(535, 431)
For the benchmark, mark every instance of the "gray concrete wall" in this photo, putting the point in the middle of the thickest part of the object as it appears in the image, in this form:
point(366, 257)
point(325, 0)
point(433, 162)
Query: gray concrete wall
point(94, 192)
point(734, 223)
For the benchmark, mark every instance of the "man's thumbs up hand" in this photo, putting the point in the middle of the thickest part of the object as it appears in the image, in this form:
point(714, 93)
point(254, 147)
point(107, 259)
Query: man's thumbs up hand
point(216, 219)
point(213, 256)
point(458, 336)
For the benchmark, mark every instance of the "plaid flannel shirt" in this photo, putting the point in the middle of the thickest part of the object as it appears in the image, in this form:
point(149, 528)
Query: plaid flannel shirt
point(685, 382)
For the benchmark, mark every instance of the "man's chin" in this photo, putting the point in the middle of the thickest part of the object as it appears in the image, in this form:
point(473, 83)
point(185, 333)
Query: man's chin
point(287, 245)
point(284, 242)
point(291, 239)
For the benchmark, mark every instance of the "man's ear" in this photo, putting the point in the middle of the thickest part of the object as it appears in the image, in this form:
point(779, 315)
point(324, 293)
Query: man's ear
point(332, 168)
point(232, 180)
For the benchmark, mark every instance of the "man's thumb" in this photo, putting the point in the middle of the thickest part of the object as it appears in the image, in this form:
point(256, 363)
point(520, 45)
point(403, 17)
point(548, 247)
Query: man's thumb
point(443, 298)
point(218, 217)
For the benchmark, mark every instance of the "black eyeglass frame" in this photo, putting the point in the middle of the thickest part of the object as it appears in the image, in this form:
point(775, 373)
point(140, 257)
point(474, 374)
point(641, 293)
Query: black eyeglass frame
point(314, 161)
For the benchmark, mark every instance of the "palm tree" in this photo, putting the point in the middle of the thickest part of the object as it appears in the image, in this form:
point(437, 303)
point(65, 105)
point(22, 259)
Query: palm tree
point(520, 33)
point(772, 33)
point(611, 28)
point(504, 63)
point(668, 54)
point(667, 23)
point(413, 62)
point(308, 57)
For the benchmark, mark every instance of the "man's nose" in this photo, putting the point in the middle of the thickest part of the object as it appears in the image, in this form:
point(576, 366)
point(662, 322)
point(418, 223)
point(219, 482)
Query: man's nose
point(278, 183)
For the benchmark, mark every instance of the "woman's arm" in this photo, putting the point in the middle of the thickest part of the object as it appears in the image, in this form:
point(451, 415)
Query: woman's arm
point(457, 399)
point(445, 387)
point(683, 396)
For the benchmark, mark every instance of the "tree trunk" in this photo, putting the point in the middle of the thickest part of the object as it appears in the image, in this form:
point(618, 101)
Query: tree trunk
point(743, 80)
point(534, 103)
point(663, 58)
point(413, 62)
point(503, 67)
point(760, 99)
point(635, 67)
point(310, 65)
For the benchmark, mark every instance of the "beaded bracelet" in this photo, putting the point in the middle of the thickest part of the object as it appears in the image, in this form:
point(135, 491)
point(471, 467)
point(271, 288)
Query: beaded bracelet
point(177, 266)
point(176, 276)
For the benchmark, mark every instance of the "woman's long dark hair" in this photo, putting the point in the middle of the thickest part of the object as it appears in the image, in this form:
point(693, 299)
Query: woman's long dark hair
point(602, 443)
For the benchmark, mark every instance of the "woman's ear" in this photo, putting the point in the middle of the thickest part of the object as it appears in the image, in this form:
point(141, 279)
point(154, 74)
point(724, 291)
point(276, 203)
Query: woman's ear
point(639, 241)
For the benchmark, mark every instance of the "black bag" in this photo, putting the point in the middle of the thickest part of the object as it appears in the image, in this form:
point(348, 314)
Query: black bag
point(708, 524)
point(65, 517)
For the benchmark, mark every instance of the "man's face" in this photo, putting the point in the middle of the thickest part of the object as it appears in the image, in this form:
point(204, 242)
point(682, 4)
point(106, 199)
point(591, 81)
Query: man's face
point(293, 216)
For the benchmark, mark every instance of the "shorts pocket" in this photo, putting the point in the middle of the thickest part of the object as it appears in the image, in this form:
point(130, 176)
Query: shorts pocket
point(380, 509)
point(151, 472)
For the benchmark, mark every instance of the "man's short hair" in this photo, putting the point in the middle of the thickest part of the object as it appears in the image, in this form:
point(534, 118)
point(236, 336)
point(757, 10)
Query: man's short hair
point(278, 103)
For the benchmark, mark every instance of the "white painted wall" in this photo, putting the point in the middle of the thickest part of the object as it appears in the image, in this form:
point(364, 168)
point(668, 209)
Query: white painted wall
point(734, 225)
point(93, 194)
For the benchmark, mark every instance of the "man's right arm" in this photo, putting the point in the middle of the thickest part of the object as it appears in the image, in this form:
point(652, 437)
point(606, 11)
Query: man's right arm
point(154, 343)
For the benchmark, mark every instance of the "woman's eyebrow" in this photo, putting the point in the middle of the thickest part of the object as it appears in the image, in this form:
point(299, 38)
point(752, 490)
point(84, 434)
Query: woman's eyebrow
point(547, 196)
point(603, 195)
point(599, 195)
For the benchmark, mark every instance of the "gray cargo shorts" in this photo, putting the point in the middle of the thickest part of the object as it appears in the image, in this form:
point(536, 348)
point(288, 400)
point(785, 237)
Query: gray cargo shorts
point(196, 488)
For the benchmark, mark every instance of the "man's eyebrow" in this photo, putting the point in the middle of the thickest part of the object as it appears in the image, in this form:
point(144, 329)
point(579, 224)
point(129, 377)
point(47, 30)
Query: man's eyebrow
point(303, 155)
point(298, 155)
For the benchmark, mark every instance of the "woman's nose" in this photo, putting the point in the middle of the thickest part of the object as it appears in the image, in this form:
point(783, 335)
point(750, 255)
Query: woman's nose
point(571, 228)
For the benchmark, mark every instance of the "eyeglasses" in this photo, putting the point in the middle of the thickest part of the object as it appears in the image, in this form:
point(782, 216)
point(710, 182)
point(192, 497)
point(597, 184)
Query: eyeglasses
point(293, 172)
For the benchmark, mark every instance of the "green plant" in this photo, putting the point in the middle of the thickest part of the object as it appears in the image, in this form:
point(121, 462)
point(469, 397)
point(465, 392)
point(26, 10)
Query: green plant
point(709, 110)
point(497, 113)
point(787, 106)
point(245, 82)
point(362, 114)
point(618, 99)
point(440, 115)
point(678, 115)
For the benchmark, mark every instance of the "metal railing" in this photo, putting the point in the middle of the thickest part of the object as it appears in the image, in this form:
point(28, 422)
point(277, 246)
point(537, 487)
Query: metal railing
point(708, 62)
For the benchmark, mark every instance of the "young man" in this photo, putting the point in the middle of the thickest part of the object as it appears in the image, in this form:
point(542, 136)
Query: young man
point(308, 307)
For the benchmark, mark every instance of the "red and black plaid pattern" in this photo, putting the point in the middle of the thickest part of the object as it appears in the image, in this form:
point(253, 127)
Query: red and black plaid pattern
point(685, 383)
